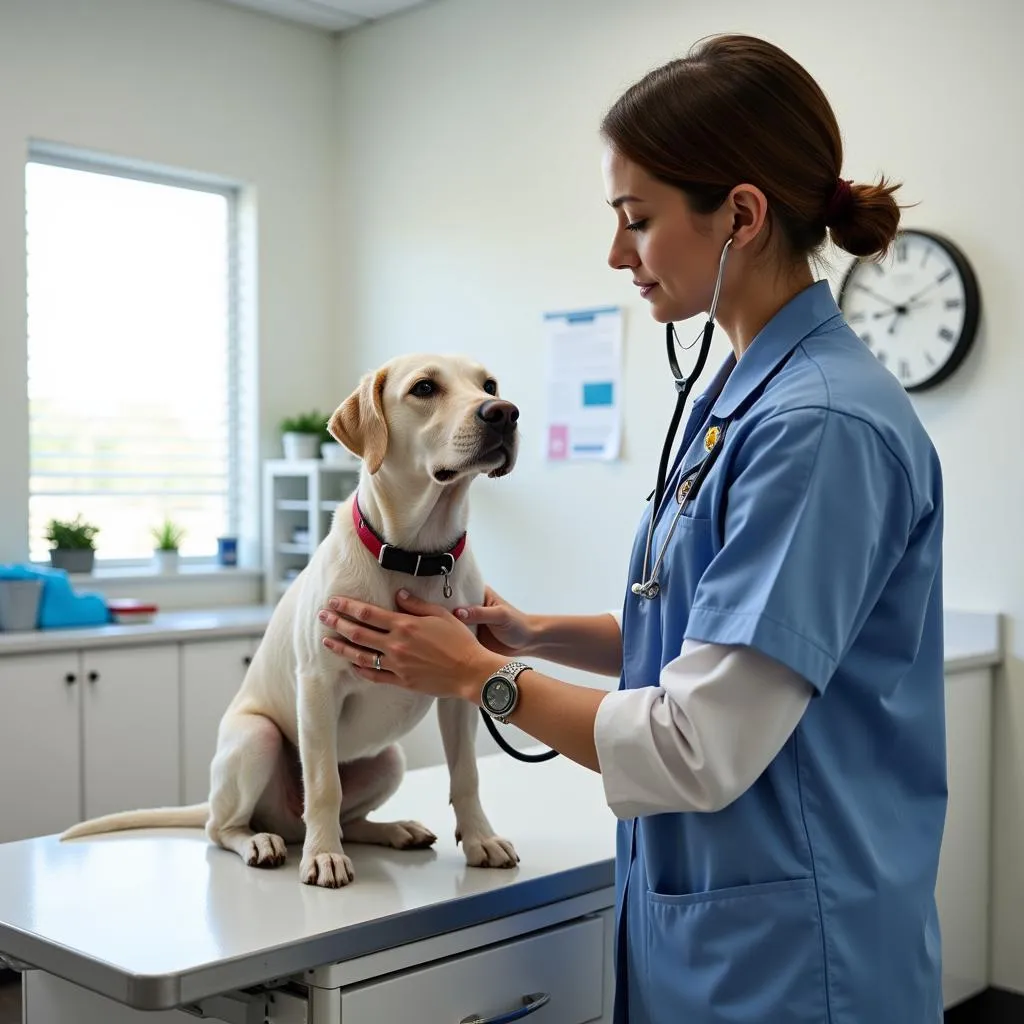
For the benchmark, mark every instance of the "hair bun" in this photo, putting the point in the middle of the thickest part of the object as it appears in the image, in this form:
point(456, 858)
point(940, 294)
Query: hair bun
point(841, 203)
point(863, 219)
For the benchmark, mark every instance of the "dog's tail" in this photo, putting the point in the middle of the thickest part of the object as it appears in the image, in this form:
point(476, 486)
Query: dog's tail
point(193, 816)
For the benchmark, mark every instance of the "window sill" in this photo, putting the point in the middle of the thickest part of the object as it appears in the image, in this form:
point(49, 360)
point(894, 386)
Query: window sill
point(184, 574)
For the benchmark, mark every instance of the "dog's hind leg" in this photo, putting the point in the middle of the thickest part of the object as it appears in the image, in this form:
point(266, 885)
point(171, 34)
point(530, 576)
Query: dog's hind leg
point(248, 755)
point(366, 784)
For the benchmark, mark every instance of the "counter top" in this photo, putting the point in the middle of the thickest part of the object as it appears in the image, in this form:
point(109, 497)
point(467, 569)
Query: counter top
point(159, 918)
point(972, 639)
point(166, 627)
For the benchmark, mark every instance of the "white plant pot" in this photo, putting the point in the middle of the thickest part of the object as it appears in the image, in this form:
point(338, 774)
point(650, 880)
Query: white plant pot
point(166, 561)
point(300, 446)
point(335, 454)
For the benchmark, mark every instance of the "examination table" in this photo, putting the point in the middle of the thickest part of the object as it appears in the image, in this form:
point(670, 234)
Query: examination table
point(110, 927)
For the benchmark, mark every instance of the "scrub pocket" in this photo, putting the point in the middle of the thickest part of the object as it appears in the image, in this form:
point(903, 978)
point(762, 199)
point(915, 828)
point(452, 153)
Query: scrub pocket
point(750, 954)
point(689, 553)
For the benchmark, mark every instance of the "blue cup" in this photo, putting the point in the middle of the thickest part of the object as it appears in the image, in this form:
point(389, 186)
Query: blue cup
point(227, 550)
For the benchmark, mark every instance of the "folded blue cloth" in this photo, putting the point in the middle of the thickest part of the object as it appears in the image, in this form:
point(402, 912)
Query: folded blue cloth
point(60, 607)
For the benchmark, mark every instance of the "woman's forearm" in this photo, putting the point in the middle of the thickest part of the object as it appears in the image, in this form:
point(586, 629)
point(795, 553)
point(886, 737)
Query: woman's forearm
point(592, 643)
point(558, 714)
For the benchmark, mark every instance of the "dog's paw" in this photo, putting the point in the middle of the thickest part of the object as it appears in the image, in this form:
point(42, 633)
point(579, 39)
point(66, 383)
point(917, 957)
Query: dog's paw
point(399, 835)
point(328, 870)
point(265, 850)
point(407, 835)
point(489, 852)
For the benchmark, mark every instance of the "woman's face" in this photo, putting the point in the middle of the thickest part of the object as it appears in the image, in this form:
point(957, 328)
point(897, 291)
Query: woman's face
point(671, 252)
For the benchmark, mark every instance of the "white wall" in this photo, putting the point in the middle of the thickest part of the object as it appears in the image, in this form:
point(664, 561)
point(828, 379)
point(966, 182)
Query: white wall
point(471, 201)
point(196, 86)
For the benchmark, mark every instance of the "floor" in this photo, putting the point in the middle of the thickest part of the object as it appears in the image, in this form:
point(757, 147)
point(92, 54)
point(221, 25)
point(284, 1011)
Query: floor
point(10, 998)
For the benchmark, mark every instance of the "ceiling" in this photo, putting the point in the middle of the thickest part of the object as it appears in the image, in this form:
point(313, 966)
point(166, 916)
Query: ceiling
point(331, 15)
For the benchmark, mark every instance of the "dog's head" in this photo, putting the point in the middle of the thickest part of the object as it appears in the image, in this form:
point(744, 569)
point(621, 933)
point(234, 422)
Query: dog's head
point(430, 415)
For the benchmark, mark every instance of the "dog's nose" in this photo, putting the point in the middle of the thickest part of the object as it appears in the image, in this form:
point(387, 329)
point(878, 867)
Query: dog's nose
point(499, 415)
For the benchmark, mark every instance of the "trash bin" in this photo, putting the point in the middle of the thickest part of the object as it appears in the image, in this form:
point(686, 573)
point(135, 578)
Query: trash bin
point(19, 604)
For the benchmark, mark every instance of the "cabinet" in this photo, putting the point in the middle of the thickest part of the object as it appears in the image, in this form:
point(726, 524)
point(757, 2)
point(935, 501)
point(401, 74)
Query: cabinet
point(299, 499)
point(963, 887)
point(97, 730)
point(40, 743)
point(560, 974)
point(85, 733)
point(130, 728)
point(211, 673)
point(48, 998)
point(558, 971)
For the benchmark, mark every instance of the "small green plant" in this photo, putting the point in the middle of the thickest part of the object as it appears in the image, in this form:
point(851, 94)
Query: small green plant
point(168, 536)
point(71, 534)
point(307, 423)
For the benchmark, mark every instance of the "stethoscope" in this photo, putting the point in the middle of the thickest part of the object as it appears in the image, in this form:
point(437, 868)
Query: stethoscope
point(648, 586)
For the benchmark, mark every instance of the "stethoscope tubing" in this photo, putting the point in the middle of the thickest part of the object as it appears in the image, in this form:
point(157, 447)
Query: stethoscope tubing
point(648, 587)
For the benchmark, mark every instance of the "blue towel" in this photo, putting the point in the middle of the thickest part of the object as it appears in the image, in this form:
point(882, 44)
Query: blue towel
point(60, 607)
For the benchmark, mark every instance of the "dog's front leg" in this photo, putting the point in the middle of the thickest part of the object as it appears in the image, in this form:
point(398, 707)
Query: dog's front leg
point(324, 862)
point(482, 848)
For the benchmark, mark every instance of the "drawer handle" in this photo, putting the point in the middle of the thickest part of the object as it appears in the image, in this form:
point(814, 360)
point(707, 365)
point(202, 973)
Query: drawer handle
point(70, 678)
point(531, 1004)
point(93, 676)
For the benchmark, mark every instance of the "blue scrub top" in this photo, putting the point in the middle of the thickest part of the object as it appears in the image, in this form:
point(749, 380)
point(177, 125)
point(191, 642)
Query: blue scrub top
point(816, 538)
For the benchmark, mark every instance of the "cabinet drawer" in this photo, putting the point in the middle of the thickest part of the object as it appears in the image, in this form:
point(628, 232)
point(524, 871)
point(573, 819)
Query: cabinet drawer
point(566, 963)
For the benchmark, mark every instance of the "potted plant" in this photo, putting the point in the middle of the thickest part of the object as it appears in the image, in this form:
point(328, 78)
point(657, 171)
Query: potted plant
point(168, 540)
point(302, 435)
point(73, 544)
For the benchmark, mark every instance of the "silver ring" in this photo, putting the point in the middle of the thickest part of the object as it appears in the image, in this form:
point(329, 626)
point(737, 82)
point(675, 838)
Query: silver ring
point(376, 661)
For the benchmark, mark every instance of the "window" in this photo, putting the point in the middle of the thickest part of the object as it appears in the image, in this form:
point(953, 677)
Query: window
point(131, 356)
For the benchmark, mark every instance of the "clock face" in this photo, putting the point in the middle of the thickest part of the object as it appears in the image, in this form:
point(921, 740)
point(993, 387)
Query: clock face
point(917, 310)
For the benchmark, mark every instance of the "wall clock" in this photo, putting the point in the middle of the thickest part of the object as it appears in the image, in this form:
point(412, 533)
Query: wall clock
point(918, 310)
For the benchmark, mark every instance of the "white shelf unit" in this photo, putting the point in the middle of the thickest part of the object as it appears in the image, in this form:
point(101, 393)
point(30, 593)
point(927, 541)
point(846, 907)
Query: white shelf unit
point(298, 494)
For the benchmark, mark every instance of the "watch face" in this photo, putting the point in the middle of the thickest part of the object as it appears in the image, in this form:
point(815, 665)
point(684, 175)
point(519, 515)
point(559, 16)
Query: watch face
point(917, 310)
point(497, 695)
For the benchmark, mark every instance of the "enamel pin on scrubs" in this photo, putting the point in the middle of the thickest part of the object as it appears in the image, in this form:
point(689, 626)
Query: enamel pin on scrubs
point(648, 586)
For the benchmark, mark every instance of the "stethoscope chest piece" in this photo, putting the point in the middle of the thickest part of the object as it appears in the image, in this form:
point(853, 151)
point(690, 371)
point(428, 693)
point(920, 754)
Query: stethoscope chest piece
point(649, 590)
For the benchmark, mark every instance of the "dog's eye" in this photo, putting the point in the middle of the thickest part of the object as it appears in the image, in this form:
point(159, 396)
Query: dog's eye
point(491, 387)
point(423, 388)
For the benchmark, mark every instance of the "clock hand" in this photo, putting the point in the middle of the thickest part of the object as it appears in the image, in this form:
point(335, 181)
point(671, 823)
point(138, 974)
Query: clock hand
point(902, 308)
point(881, 298)
point(927, 288)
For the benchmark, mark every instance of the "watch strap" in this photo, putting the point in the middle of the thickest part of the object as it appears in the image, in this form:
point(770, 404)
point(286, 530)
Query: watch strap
point(511, 670)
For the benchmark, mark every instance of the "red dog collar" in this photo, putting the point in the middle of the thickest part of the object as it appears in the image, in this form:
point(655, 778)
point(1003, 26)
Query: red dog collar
point(413, 563)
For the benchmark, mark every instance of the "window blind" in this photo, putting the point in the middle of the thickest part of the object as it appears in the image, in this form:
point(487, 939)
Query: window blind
point(131, 350)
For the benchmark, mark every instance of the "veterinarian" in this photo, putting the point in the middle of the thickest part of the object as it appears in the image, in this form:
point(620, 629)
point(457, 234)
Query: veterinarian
point(775, 749)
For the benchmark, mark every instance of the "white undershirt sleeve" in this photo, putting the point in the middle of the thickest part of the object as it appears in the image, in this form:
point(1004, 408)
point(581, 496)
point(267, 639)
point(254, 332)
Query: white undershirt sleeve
point(701, 737)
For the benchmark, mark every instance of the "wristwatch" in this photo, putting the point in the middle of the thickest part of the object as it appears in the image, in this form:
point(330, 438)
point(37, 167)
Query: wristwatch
point(500, 694)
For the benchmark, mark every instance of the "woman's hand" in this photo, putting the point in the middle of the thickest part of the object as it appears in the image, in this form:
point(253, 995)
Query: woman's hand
point(500, 627)
point(422, 646)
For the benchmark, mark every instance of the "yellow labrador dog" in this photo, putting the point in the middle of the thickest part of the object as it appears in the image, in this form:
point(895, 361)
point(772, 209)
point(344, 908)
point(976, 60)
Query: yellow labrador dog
point(307, 749)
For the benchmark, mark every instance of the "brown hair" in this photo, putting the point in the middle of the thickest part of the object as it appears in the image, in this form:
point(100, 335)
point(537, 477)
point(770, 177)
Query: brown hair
point(738, 109)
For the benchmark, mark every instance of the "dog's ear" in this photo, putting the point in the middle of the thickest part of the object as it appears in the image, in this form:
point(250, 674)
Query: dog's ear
point(359, 424)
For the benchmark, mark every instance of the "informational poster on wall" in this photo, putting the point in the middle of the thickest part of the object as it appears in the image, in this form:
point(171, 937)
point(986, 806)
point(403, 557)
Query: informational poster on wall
point(584, 384)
